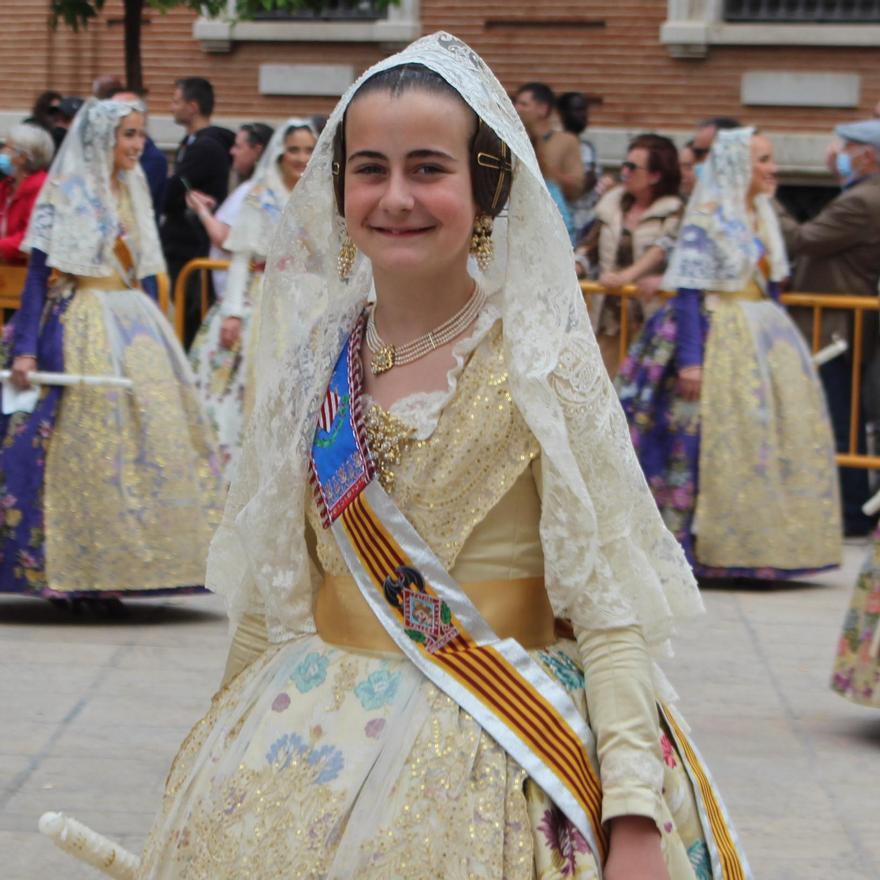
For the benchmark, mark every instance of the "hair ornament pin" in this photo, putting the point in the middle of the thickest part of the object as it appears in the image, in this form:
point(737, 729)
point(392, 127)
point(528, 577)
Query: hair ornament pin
point(501, 164)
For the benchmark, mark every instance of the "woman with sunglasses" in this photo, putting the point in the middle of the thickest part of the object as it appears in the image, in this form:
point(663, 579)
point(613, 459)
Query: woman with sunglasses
point(643, 210)
point(724, 404)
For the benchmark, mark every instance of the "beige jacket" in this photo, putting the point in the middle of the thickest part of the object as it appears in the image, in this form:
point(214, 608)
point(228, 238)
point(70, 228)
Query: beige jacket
point(661, 219)
point(660, 222)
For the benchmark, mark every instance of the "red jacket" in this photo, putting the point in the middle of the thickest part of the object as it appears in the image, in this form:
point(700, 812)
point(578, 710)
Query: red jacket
point(15, 213)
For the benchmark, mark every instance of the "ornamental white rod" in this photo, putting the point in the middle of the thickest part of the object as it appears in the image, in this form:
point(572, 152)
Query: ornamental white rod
point(88, 846)
point(831, 351)
point(38, 378)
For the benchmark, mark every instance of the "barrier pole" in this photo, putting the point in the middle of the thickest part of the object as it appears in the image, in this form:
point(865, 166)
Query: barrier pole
point(202, 265)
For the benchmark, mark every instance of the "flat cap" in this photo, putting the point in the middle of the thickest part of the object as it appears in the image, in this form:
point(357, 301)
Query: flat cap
point(865, 132)
point(70, 106)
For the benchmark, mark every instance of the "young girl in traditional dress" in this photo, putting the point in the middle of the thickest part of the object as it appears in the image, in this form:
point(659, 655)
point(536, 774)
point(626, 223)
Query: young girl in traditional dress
point(424, 485)
point(220, 351)
point(857, 664)
point(105, 491)
point(725, 408)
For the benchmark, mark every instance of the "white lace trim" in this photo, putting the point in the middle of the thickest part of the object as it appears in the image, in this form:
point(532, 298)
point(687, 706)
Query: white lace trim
point(421, 410)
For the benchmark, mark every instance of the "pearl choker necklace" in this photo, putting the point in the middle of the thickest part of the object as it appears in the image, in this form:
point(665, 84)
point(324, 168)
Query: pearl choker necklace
point(387, 356)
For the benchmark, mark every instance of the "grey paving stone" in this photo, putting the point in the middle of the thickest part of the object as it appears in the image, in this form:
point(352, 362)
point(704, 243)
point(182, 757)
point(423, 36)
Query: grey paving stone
point(94, 712)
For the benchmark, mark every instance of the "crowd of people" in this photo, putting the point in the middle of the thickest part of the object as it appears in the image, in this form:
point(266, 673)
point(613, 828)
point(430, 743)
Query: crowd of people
point(398, 384)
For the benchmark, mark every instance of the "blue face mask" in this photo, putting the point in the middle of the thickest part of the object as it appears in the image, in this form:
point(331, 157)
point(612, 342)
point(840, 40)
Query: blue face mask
point(844, 166)
point(6, 168)
point(699, 171)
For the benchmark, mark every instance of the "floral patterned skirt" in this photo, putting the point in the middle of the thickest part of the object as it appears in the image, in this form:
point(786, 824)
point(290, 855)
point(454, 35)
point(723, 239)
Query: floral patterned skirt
point(222, 376)
point(745, 477)
point(321, 762)
point(857, 665)
point(107, 491)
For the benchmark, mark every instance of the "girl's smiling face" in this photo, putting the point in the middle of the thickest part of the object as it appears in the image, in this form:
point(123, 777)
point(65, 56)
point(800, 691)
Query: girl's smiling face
point(408, 198)
point(298, 148)
point(130, 139)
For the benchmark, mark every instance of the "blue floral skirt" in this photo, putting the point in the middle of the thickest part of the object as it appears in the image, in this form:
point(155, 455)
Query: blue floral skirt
point(322, 762)
point(745, 476)
point(107, 491)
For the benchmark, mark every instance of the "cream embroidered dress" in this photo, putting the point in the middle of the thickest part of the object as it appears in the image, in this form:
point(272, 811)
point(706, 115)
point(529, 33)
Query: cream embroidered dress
point(225, 377)
point(329, 755)
point(322, 761)
point(744, 477)
point(105, 490)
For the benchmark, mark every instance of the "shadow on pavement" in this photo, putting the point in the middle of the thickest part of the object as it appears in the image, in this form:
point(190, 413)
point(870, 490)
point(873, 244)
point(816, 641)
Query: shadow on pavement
point(27, 611)
point(757, 585)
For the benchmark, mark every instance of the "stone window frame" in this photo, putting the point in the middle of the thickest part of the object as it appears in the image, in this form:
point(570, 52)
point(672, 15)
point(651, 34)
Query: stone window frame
point(693, 26)
point(401, 24)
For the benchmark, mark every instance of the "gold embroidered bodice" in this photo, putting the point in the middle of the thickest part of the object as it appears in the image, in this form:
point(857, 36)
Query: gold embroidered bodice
point(469, 489)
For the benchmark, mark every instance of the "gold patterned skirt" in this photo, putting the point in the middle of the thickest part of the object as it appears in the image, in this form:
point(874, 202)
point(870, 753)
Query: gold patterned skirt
point(323, 762)
point(132, 488)
point(768, 490)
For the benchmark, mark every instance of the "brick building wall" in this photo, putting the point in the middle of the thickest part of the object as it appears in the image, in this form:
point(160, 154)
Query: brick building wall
point(611, 50)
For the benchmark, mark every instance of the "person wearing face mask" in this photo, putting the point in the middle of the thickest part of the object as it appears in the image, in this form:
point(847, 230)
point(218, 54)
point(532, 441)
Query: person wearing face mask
point(838, 251)
point(725, 409)
point(105, 491)
point(23, 162)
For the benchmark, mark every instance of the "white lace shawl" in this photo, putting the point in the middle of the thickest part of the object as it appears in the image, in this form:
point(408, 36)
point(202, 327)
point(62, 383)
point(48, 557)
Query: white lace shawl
point(251, 231)
point(610, 560)
point(75, 221)
point(716, 248)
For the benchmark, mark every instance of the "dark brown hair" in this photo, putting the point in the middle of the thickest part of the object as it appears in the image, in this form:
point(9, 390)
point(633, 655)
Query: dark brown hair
point(662, 160)
point(490, 161)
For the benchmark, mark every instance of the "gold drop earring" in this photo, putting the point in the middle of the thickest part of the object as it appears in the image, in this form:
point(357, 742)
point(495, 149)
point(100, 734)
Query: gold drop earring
point(345, 261)
point(482, 247)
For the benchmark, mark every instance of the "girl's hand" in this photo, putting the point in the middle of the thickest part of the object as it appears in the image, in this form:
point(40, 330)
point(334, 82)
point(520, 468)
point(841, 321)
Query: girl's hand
point(690, 380)
point(21, 366)
point(634, 852)
point(614, 280)
point(230, 332)
point(200, 203)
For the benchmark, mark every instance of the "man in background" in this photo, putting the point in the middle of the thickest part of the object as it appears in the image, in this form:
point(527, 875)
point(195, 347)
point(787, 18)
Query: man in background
point(838, 251)
point(560, 151)
point(573, 111)
point(202, 163)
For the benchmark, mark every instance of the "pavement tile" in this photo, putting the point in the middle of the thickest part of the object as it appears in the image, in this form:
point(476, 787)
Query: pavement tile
point(95, 712)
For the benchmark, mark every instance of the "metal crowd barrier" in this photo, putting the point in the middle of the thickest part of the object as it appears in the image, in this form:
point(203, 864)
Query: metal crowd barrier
point(11, 285)
point(12, 280)
point(202, 266)
point(819, 303)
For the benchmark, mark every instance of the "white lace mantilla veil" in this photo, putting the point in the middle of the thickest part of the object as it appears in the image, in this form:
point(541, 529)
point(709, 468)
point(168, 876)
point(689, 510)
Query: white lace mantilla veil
point(254, 225)
point(716, 247)
point(75, 221)
point(610, 561)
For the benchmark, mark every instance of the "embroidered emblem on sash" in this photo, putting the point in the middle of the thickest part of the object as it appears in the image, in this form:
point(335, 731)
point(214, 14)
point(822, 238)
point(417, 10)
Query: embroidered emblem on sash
point(426, 619)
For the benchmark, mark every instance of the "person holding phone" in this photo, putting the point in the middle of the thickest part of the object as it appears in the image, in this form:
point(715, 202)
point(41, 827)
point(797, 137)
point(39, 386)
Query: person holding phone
point(202, 163)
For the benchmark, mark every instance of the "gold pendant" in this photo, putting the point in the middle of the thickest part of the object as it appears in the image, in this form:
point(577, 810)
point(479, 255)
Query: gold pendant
point(382, 360)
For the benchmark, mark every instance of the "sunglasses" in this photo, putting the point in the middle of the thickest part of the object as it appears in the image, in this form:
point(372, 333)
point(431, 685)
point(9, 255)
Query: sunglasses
point(700, 153)
point(631, 166)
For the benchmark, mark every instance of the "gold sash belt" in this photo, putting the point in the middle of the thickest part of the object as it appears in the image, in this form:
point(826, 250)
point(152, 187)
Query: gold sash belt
point(517, 609)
